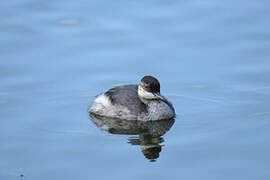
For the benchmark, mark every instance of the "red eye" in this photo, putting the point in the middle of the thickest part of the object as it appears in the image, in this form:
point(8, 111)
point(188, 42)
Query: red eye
point(148, 89)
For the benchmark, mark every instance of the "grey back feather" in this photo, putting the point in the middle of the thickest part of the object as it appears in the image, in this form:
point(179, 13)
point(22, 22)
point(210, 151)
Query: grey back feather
point(127, 96)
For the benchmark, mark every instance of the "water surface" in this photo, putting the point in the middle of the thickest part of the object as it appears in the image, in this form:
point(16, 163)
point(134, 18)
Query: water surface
point(212, 60)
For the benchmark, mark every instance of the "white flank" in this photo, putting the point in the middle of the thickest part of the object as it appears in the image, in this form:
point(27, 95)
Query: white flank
point(104, 100)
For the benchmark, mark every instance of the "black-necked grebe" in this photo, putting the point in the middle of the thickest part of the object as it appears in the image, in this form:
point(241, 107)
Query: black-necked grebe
point(134, 102)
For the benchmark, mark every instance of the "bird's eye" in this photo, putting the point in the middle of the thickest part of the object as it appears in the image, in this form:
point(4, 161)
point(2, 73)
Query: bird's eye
point(148, 89)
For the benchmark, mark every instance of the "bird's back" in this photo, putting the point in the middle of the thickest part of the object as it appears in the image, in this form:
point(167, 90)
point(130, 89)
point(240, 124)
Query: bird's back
point(127, 96)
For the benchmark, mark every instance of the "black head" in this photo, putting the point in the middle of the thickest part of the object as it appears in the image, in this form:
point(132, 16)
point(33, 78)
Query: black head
point(150, 84)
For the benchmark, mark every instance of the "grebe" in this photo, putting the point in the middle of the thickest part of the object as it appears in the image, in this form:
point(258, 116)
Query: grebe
point(134, 102)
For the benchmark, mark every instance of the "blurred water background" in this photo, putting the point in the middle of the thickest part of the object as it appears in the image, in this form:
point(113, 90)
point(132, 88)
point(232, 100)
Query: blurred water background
point(212, 60)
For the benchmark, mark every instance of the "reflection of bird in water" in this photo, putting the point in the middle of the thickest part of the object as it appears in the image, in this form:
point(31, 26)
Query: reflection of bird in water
point(150, 145)
point(149, 132)
point(134, 102)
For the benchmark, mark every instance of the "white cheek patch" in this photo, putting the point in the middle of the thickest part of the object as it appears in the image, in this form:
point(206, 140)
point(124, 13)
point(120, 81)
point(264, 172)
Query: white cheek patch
point(144, 94)
point(104, 100)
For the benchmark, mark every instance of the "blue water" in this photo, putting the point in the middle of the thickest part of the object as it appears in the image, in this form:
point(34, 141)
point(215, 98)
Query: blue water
point(212, 60)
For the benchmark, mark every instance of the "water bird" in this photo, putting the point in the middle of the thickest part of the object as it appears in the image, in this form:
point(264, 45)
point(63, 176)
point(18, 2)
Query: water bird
point(134, 102)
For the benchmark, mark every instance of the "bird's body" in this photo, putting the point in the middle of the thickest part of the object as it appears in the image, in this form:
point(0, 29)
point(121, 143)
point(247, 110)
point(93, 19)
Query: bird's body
point(134, 102)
